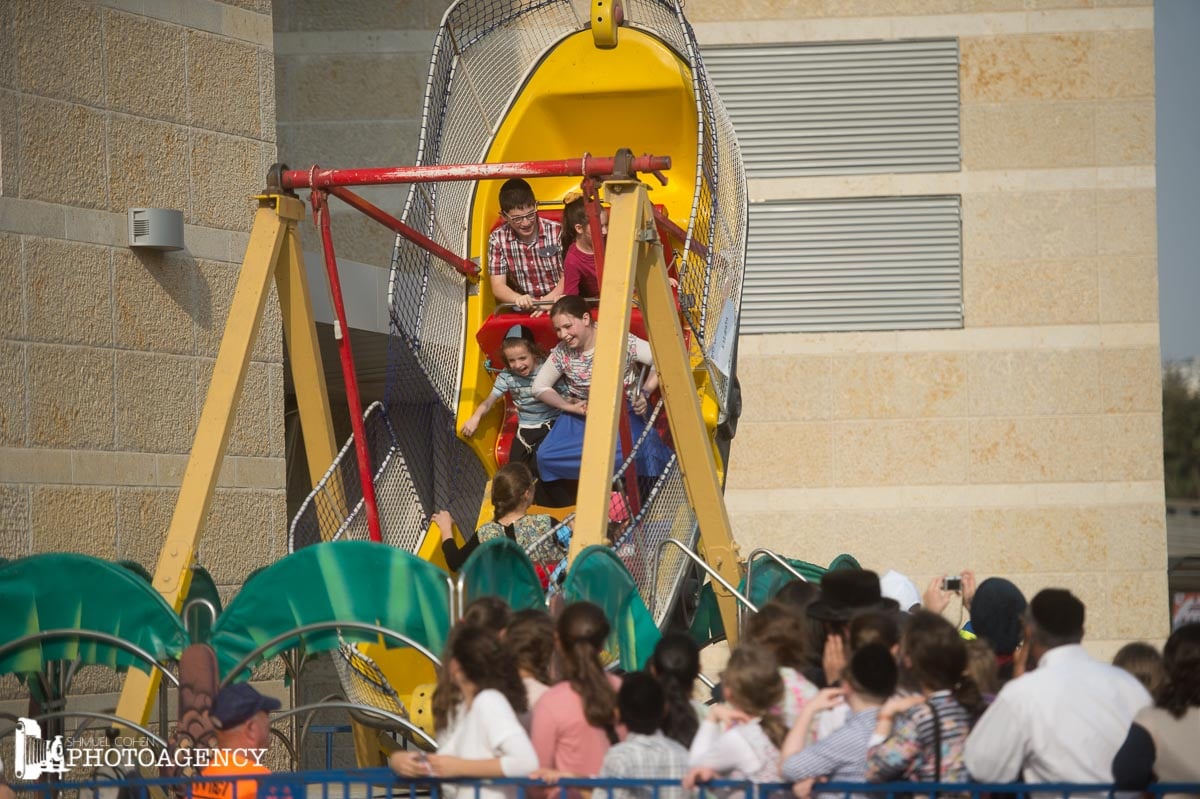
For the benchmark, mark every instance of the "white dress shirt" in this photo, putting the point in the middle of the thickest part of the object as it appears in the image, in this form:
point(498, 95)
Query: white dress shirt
point(1061, 722)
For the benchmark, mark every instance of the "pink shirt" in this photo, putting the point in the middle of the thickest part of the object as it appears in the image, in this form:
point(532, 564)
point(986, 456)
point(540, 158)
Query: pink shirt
point(561, 735)
point(579, 273)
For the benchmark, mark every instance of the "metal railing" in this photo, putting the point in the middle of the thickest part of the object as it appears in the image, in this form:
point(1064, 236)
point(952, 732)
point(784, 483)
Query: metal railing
point(763, 552)
point(384, 783)
point(709, 570)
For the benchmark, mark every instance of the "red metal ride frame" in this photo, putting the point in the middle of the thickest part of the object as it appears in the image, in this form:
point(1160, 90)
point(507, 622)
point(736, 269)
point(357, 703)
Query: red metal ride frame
point(331, 181)
point(320, 204)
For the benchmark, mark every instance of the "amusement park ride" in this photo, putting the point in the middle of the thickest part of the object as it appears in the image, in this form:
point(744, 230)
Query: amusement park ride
point(517, 89)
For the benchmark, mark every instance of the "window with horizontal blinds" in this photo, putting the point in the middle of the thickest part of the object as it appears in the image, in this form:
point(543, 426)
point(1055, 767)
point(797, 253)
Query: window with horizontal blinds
point(839, 108)
point(877, 263)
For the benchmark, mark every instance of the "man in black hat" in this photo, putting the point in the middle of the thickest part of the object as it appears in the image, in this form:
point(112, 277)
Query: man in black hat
point(243, 735)
point(1064, 720)
point(844, 592)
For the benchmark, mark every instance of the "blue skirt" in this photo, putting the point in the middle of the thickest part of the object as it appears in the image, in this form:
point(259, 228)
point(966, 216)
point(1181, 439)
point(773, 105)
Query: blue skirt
point(559, 455)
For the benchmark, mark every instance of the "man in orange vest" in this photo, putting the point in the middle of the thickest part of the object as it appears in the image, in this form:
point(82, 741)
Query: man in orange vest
point(243, 736)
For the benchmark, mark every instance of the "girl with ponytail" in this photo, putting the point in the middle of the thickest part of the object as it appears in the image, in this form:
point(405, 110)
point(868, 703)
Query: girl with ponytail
point(676, 665)
point(740, 739)
point(573, 723)
point(512, 496)
point(921, 737)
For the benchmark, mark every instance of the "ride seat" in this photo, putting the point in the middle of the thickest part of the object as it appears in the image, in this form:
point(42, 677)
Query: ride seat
point(494, 330)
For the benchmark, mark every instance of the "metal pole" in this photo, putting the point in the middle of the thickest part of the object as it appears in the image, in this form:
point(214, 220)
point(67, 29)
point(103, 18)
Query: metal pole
point(586, 166)
point(463, 265)
point(341, 332)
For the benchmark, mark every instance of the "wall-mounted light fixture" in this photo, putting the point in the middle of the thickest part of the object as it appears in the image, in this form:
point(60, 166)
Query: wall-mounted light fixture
point(155, 229)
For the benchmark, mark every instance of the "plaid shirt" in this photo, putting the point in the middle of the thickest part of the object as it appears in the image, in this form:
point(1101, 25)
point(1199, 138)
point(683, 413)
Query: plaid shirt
point(647, 757)
point(535, 268)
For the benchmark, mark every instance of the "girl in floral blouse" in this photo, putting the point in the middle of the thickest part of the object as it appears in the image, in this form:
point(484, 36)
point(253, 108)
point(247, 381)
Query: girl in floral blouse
point(512, 496)
point(920, 738)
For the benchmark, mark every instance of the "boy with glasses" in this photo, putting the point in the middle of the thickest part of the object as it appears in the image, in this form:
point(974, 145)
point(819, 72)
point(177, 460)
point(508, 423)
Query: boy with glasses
point(524, 255)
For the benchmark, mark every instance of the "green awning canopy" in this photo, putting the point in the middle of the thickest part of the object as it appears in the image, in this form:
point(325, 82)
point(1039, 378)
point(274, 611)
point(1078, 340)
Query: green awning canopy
point(338, 581)
point(599, 576)
point(68, 591)
point(500, 568)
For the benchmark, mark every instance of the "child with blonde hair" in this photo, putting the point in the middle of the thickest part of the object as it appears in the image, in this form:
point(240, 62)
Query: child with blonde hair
point(740, 739)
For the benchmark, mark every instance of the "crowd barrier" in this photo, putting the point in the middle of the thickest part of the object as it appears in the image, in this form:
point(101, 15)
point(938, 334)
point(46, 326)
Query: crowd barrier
point(382, 783)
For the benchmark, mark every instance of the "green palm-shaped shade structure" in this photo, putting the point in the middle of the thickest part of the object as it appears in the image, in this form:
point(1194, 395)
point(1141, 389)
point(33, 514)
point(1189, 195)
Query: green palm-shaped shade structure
point(599, 576)
point(501, 568)
point(339, 581)
point(67, 591)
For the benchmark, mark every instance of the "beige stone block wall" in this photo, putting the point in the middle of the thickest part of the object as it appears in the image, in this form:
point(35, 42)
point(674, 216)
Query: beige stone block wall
point(1028, 443)
point(350, 86)
point(105, 352)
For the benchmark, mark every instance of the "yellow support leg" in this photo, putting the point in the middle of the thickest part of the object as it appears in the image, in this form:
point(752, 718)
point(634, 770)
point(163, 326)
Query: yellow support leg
point(308, 374)
point(607, 392)
point(634, 249)
point(274, 220)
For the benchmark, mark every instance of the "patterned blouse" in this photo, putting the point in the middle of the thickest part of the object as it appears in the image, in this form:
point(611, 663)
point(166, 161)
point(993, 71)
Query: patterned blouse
point(797, 691)
point(525, 531)
point(576, 366)
point(909, 753)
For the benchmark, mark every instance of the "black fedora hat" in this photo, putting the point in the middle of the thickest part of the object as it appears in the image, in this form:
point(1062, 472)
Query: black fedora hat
point(844, 592)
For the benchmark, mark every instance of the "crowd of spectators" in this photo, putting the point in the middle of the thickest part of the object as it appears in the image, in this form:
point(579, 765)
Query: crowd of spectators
point(857, 680)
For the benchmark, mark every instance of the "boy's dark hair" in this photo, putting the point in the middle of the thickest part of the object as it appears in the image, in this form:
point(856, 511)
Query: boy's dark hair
point(516, 193)
point(799, 594)
point(875, 627)
point(1056, 616)
point(641, 702)
point(872, 672)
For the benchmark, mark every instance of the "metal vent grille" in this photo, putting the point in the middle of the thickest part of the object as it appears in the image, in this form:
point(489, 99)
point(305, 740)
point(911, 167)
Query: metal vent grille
point(141, 227)
point(890, 263)
point(843, 107)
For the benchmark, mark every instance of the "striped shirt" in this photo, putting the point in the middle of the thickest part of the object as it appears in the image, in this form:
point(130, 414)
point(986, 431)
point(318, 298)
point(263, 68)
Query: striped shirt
point(841, 756)
point(531, 412)
point(646, 757)
point(534, 268)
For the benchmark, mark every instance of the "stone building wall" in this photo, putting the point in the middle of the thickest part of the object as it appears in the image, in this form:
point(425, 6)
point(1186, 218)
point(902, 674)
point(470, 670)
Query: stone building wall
point(350, 84)
point(106, 352)
point(1028, 443)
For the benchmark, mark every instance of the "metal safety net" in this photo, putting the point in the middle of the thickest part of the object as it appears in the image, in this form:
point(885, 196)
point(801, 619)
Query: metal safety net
point(483, 54)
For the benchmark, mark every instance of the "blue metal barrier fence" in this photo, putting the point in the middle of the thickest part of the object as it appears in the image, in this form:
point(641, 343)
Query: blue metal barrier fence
point(382, 783)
